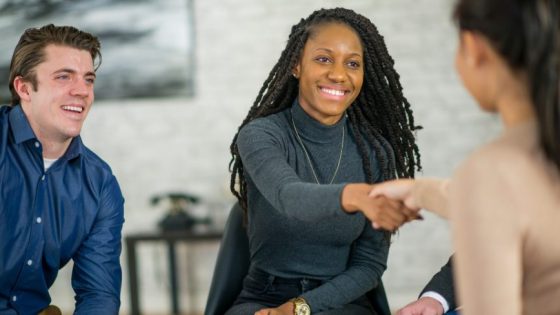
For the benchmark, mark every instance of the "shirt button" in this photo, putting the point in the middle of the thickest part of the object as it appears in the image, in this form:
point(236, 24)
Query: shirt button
point(43, 177)
point(14, 298)
point(37, 144)
point(30, 262)
point(39, 220)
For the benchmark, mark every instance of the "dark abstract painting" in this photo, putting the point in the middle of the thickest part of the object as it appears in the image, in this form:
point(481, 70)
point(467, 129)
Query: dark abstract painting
point(147, 45)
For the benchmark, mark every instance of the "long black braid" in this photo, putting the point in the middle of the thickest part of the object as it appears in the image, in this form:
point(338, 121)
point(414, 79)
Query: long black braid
point(380, 117)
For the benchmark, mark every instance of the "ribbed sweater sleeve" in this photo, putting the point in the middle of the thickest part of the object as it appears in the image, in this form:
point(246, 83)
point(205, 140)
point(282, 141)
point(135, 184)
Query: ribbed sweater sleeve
point(367, 264)
point(264, 161)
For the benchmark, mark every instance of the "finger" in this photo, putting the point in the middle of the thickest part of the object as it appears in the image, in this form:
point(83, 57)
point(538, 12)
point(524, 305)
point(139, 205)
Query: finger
point(411, 203)
point(399, 208)
point(392, 189)
point(385, 204)
point(385, 214)
point(410, 214)
point(376, 191)
point(380, 225)
point(393, 213)
point(387, 218)
point(381, 189)
point(385, 200)
point(392, 224)
point(386, 224)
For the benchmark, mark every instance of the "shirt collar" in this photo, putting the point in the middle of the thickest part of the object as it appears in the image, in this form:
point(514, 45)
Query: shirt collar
point(21, 129)
point(20, 126)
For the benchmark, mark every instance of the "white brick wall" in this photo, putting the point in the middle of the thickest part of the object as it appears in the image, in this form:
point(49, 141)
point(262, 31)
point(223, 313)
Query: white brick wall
point(183, 144)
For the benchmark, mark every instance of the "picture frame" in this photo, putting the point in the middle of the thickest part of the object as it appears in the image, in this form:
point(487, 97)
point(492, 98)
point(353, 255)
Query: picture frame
point(147, 46)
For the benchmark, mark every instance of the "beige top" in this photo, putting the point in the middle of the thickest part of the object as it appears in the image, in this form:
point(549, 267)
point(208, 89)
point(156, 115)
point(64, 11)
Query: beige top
point(504, 205)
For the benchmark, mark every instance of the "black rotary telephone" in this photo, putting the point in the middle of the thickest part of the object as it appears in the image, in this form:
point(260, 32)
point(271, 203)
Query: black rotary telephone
point(177, 217)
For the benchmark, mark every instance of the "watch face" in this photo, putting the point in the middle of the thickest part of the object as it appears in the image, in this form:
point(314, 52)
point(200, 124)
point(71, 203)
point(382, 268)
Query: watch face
point(303, 309)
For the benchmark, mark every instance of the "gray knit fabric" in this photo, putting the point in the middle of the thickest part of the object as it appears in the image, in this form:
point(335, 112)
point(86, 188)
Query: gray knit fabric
point(297, 227)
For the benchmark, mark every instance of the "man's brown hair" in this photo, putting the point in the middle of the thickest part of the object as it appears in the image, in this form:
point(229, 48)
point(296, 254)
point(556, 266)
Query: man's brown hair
point(30, 51)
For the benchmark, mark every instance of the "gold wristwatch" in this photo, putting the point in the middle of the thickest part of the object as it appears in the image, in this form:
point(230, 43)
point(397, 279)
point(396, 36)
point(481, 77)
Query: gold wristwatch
point(301, 307)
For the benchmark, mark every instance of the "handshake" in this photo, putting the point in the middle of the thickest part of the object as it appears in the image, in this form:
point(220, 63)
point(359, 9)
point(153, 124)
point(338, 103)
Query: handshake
point(390, 204)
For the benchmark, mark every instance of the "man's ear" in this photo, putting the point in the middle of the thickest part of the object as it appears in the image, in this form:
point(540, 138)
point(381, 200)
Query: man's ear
point(22, 88)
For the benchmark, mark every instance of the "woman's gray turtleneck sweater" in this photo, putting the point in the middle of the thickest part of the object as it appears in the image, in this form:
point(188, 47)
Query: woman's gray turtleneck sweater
point(297, 228)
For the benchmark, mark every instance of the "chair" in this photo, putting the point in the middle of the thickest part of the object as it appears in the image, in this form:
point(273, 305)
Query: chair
point(233, 264)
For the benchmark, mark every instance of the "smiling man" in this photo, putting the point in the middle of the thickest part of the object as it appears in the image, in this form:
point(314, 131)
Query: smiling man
point(58, 200)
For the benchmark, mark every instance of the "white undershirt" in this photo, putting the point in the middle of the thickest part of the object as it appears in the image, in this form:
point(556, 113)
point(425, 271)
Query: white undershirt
point(48, 163)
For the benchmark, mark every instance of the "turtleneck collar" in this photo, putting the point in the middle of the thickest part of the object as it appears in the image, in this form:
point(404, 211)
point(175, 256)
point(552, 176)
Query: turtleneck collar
point(312, 130)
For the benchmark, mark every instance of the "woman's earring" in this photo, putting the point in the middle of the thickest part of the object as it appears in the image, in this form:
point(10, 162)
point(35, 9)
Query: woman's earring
point(294, 75)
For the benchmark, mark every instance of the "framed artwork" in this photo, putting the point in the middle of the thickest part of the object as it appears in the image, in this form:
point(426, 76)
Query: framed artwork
point(147, 46)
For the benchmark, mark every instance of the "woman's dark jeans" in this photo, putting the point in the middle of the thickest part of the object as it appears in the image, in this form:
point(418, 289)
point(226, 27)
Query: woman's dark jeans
point(261, 290)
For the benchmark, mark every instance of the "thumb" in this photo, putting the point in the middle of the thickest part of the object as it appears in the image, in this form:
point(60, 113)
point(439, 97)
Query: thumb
point(388, 189)
point(377, 190)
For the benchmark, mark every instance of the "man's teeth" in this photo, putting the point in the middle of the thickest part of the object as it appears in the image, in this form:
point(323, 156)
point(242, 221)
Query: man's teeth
point(333, 92)
point(73, 108)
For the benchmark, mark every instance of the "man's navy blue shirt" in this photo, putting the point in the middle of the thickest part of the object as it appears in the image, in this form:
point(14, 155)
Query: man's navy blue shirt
point(74, 210)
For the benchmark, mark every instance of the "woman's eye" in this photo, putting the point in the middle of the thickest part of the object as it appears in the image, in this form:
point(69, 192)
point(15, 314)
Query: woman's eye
point(354, 64)
point(322, 59)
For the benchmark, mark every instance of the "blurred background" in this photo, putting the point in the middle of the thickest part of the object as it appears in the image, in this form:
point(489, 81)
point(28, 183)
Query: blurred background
point(178, 77)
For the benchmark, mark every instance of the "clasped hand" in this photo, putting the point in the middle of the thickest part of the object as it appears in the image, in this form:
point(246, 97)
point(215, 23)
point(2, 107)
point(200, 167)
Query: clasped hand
point(387, 207)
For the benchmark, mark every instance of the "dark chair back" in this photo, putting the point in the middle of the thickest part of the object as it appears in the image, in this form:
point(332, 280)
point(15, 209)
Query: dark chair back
point(232, 265)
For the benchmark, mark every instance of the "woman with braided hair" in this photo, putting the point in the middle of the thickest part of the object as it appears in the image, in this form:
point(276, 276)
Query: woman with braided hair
point(329, 121)
point(504, 200)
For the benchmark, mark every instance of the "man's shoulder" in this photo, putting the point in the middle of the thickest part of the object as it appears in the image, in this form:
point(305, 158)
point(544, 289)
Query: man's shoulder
point(100, 174)
point(4, 128)
point(93, 161)
point(4, 115)
point(4, 109)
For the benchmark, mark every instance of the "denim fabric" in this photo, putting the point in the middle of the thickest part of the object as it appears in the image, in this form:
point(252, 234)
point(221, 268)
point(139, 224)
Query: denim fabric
point(261, 290)
point(73, 210)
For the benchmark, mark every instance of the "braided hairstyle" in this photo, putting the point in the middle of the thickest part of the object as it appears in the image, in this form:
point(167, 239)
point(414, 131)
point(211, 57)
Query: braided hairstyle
point(379, 112)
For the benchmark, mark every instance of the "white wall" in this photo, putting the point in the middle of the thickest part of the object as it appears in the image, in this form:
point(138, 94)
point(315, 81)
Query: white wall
point(183, 144)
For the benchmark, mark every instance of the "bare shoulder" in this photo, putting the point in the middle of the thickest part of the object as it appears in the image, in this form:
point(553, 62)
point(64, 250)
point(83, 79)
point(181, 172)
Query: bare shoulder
point(495, 179)
point(501, 159)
